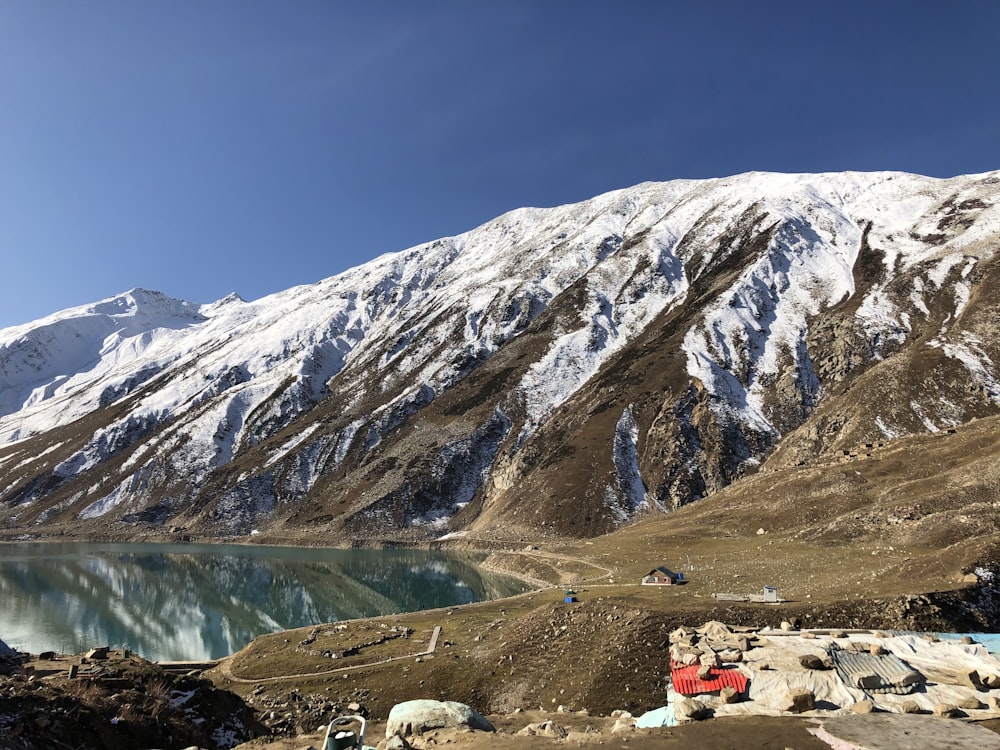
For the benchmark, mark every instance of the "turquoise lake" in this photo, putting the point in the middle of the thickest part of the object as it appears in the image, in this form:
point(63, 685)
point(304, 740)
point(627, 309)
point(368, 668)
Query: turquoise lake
point(204, 601)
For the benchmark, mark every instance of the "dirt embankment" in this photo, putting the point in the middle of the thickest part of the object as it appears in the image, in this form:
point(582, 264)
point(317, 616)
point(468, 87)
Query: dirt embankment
point(118, 703)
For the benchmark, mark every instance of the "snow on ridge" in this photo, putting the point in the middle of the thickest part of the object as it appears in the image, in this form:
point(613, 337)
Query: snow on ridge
point(889, 432)
point(743, 338)
point(107, 503)
point(970, 353)
point(419, 316)
point(143, 303)
point(924, 418)
point(609, 319)
point(626, 460)
point(942, 268)
point(54, 356)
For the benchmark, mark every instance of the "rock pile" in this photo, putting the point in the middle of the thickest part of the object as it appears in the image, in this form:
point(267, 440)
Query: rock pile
point(710, 645)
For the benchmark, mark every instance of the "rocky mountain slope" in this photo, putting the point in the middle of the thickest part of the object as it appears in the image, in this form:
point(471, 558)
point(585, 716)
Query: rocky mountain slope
point(560, 371)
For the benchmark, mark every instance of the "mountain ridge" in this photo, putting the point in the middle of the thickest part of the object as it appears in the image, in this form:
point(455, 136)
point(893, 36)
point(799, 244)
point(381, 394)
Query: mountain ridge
point(607, 359)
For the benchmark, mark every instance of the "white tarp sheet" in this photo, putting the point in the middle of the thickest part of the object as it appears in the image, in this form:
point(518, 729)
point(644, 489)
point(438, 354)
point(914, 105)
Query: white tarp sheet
point(773, 669)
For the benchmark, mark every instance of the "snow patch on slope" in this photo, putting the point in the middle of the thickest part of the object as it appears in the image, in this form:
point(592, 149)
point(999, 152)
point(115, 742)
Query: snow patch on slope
point(626, 460)
point(973, 357)
point(623, 295)
point(738, 349)
point(461, 469)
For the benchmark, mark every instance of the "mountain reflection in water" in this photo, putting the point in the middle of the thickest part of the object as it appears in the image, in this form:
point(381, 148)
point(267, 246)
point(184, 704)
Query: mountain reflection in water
point(195, 601)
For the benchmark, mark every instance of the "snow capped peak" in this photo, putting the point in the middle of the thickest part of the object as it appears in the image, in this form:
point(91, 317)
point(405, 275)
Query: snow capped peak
point(230, 299)
point(140, 299)
point(736, 272)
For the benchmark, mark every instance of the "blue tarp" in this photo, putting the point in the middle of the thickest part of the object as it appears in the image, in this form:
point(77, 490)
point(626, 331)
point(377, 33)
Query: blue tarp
point(990, 640)
point(659, 717)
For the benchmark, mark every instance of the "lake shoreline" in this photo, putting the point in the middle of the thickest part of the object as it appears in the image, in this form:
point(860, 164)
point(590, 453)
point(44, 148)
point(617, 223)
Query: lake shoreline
point(196, 601)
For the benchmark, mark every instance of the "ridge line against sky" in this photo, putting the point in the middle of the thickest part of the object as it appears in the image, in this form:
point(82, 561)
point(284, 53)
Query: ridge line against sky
point(249, 146)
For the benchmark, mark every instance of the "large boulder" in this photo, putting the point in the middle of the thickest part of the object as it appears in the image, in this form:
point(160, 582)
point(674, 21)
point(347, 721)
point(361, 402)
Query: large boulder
point(9, 659)
point(799, 700)
point(729, 694)
point(691, 709)
point(812, 661)
point(416, 717)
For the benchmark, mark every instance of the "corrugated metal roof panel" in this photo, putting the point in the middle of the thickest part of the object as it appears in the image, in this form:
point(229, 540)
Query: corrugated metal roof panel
point(686, 682)
point(882, 673)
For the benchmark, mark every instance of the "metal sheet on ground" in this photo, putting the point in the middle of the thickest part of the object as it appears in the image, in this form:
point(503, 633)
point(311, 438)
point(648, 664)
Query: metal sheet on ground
point(904, 732)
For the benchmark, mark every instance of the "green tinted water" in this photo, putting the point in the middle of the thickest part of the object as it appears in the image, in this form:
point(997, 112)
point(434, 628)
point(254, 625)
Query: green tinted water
point(202, 601)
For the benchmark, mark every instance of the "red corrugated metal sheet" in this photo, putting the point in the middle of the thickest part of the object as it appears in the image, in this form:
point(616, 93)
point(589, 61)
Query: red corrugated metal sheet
point(686, 680)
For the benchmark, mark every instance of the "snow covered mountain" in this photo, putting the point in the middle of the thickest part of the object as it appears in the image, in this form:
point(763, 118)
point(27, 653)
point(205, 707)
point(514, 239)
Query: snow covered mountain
point(555, 370)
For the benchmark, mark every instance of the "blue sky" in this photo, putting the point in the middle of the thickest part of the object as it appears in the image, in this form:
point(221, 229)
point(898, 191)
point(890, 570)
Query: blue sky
point(202, 148)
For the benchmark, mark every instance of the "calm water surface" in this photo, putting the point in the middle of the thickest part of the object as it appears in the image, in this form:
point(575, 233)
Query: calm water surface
point(203, 601)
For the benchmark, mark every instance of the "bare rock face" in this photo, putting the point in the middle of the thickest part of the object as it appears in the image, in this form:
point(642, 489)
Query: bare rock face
point(394, 743)
point(709, 660)
point(972, 678)
point(623, 725)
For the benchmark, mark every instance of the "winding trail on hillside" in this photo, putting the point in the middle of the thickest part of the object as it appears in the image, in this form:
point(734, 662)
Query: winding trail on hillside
point(548, 557)
point(226, 665)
